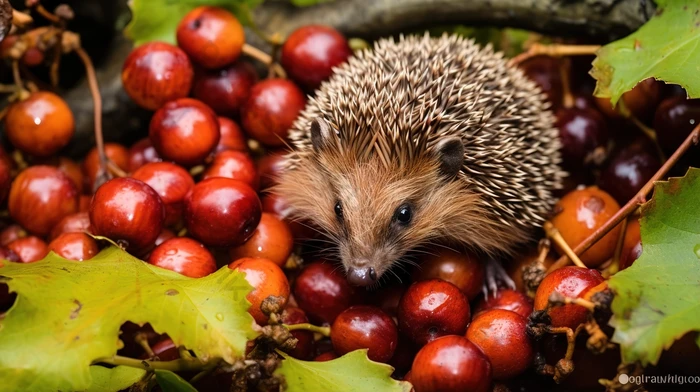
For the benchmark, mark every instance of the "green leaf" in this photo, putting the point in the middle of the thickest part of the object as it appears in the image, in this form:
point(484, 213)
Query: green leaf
point(67, 315)
point(306, 3)
point(657, 299)
point(351, 372)
point(667, 47)
point(157, 20)
point(115, 379)
point(171, 382)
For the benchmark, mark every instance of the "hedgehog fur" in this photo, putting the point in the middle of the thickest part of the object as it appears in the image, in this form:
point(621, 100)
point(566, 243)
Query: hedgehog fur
point(387, 108)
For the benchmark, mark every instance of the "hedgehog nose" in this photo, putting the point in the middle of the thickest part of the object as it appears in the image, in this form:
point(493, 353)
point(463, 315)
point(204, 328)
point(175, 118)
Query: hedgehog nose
point(362, 276)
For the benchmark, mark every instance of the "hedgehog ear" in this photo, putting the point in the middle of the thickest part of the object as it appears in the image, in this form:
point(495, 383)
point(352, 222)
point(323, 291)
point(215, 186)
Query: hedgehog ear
point(320, 134)
point(450, 155)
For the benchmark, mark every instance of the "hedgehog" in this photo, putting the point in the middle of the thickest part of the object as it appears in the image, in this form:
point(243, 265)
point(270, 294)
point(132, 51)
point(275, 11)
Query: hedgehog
point(423, 140)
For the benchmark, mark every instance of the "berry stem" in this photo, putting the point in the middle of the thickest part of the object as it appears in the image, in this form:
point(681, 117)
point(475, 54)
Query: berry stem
point(47, 15)
point(554, 50)
point(252, 51)
point(177, 365)
point(555, 236)
point(325, 331)
point(20, 19)
point(142, 341)
point(615, 265)
point(692, 139)
point(567, 96)
point(97, 104)
point(22, 93)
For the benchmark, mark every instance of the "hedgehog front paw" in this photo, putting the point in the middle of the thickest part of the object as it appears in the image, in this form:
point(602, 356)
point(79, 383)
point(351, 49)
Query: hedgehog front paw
point(495, 274)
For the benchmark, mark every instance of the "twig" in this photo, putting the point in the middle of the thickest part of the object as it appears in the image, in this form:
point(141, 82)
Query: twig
point(97, 104)
point(47, 15)
point(556, 236)
point(554, 50)
point(264, 58)
point(631, 205)
point(615, 265)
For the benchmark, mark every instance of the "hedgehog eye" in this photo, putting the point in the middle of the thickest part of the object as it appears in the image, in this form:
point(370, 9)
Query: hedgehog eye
point(403, 214)
point(338, 210)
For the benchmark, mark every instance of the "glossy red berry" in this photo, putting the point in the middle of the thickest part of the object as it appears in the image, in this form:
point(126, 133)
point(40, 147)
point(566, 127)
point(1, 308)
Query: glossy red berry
point(502, 337)
point(74, 246)
point(627, 172)
point(545, 72)
point(222, 212)
point(305, 339)
point(271, 240)
point(5, 179)
point(361, 326)
point(184, 131)
point(40, 125)
point(310, 53)
point(275, 204)
point(232, 136)
point(78, 222)
point(571, 282)
point(462, 269)
point(128, 211)
point(171, 182)
point(267, 280)
point(40, 197)
point(506, 299)
point(270, 167)
point(185, 256)
point(584, 137)
point(433, 308)
point(114, 152)
point(640, 101)
point(29, 249)
point(271, 109)
point(674, 119)
point(322, 291)
point(236, 165)
point(155, 73)
point(141, 153)
point(225, 90)
point(327, 356)
point(211, 36)
point(451, 363)
point(166, 350)
point(72, 170)
point(11, 233)
point(583, 211)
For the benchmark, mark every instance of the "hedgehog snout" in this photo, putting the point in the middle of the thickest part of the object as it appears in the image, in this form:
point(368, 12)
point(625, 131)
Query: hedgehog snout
point(362, 275)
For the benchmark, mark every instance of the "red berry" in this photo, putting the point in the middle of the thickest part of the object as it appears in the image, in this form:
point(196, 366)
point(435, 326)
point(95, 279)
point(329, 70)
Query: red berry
point(305, 339)
point(433, 308)
point(185, 256)
point(502, 337)
point(184, 131)
point(640, 101)
point(164, 349)
point(78, 222)
point(72, 170)
point(128, 211)
point(40, 197)
point(270, 167)
point(582, 212)
point(9, 255)
point(571, 282)
point(322, 292)
point(225, 90)
point(632, 247)
point(141, 153)
point(359, 327)
point(222, 212)
point(40, 125)
point(327, 356)
point(451, 363)
point(506, 299)
point(211, 36)
point(584, 137)
point(11, 233)
point(462, 269)
point(271, 109)
point(627, 172)
point(171, 182)
point(114, 152)
point(155, 73)
point(29, 249)
point(232, 136)
point(236, 165)
point(310, 53)
point(267, 280)
point(271, 240)
point(545, 72)
point(278, 206)
point(5, 179)
point(164, 235)
point(74, 246)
